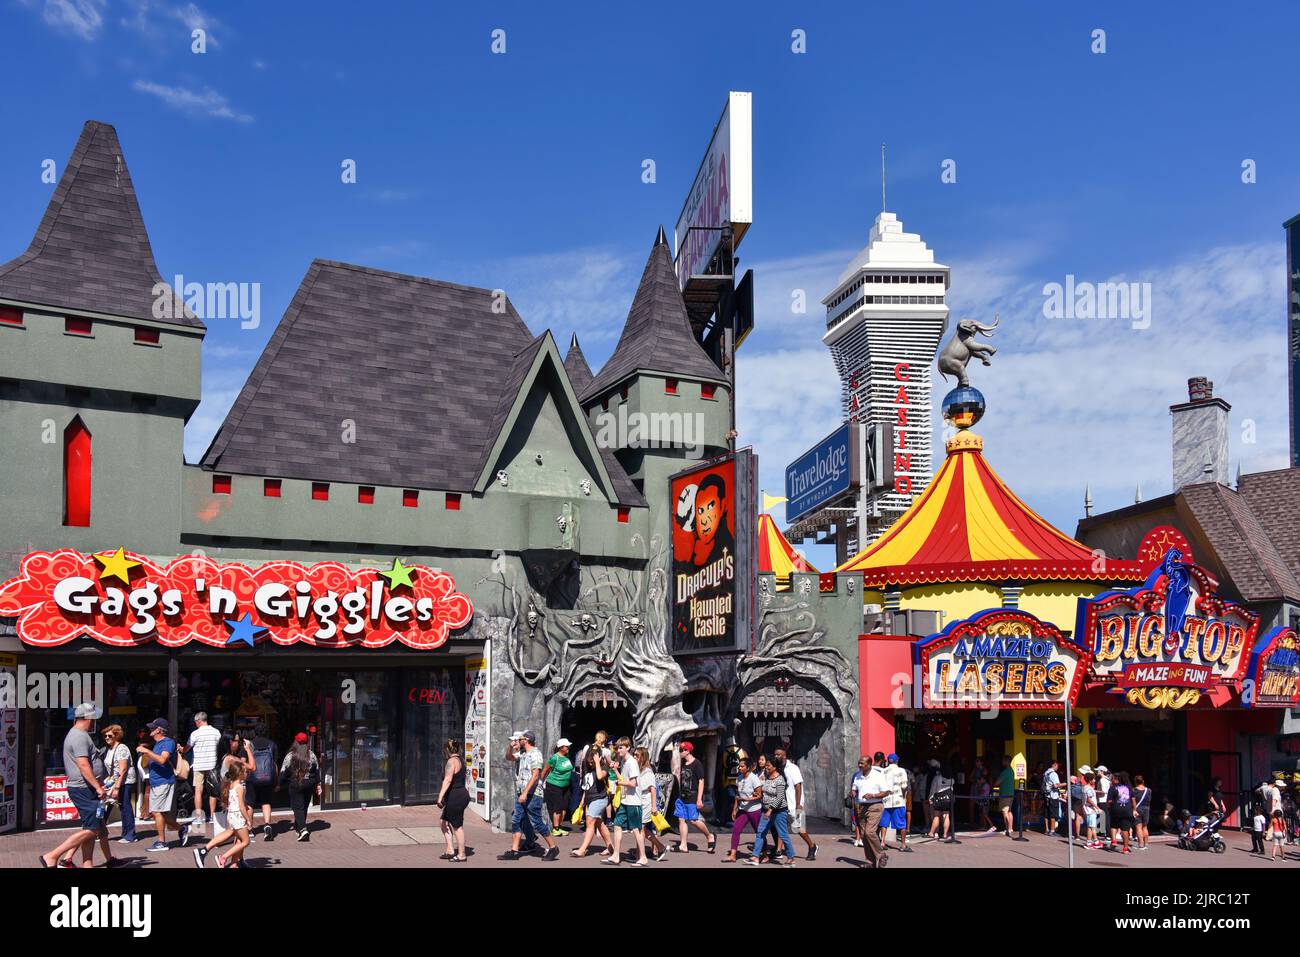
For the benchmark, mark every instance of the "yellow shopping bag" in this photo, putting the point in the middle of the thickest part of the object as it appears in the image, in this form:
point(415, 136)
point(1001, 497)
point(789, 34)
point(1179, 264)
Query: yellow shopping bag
point(577, 815)
point(618, 797)
point(659, 821)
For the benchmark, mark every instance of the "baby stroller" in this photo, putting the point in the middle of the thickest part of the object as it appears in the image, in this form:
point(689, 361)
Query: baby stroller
point(1204, 835)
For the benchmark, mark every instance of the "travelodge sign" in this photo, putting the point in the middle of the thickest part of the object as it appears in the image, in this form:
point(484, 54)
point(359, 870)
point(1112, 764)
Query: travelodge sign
point(1171, 639)
point(123, 599)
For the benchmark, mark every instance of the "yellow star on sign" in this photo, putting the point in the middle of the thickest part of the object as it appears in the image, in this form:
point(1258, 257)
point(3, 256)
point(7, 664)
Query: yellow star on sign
point(399, 575)
point(116, 565)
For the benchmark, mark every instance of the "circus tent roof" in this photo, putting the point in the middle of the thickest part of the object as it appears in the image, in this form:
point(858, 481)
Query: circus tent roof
point(969, 526)
point(775, 553)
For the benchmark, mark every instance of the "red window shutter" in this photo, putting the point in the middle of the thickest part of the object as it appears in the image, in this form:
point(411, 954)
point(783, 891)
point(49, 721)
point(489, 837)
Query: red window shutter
point(670, 386)
point(453, 501)
point(624, 514)
point(146, 335)
point(708, 390)
point(11, 317)
point(320, 491)
point(221, 485)
point(622, 394)
point(365, 494)
point(76, 474)
point(271, 488)
point(410, 498)
point(77, 325)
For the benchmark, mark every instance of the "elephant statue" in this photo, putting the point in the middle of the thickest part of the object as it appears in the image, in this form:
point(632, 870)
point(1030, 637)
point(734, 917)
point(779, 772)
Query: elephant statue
point(962, 346)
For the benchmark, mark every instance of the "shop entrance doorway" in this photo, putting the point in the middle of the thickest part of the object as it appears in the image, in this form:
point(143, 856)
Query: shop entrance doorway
point(596, 710)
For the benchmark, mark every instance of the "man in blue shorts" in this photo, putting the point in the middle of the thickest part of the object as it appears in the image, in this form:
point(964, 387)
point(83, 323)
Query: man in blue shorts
point(894, 815)
point(690, 801)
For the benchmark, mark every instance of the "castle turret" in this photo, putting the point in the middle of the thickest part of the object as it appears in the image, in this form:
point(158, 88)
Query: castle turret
point(99, 368)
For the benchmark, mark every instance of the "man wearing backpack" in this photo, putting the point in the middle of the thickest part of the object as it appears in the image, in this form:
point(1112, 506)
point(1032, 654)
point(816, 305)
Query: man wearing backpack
point(1052, 804)
point(262, 776)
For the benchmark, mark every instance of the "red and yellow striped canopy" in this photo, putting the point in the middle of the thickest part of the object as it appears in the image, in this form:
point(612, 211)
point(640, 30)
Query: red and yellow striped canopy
point(775, 554)
point(968, 526)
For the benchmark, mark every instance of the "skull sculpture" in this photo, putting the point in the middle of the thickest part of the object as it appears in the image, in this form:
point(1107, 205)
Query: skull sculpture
point(503, 478)
point(585, 485)
point(634, 625)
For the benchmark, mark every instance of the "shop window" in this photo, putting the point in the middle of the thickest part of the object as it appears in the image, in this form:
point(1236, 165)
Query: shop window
point(453, 501)
point(76, 474)
point(11, 317)
point(670, 386)
point(410, 498)
point(77, 326)
point(146, 336)
point(365, 495)
point(221, 485)
point(271, 488)
point(708, 390)
point(320, 491)
point(624, 515)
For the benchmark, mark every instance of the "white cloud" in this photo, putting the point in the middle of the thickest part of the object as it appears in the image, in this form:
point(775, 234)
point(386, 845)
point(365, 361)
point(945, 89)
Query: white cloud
point(1070, 402)
point(207, 103)
point(153, 19)
point(587, 291)
point(83, 18)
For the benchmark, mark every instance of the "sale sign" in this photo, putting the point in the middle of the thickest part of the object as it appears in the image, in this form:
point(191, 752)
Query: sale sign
point(123, 599)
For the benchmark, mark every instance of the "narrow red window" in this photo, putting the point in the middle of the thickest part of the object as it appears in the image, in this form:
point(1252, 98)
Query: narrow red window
point(76, 474)
point(221, 485)
point(624, 514)
point(271, 488)
point(670, 386)
point(320, 491)
point(77, 325)
point(622, 394)
point(147, 336)
point(365, 495)
point(453, 501)
point(11, 317)
point(707, 390)
point(410, 498)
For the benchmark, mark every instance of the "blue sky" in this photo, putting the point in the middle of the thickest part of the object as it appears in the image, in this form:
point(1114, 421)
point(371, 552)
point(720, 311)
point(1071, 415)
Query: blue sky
point(523, 171)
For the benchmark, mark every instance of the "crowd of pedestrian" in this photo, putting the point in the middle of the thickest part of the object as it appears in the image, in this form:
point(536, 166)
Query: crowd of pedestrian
point(616, 798)
point(214, 782)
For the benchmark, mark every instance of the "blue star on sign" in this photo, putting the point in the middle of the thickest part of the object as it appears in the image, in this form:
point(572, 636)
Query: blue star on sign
point(243, 630)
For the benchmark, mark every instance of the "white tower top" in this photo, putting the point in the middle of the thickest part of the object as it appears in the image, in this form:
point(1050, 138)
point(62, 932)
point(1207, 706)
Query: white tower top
point(884, 320)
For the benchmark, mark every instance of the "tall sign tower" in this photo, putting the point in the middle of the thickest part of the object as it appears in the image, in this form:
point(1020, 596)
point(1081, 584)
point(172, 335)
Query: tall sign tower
point(884, 320)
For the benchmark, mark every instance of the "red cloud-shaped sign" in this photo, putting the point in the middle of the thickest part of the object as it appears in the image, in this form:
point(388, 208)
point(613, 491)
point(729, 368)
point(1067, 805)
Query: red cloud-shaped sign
point(59, 596)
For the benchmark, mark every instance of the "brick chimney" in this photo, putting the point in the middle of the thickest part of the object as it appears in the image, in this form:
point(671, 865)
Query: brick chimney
point(1200, 436)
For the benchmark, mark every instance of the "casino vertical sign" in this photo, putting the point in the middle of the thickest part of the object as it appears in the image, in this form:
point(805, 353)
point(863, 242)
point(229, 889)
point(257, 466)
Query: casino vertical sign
point(1165, 643)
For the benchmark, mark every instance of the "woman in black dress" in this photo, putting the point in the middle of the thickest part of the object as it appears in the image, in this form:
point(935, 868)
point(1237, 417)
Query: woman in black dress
point(453, 799)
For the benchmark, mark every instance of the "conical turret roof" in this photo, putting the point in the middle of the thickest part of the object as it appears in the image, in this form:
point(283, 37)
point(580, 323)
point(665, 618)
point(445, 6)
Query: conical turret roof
point(575, 364)
point(657, 336)
point(91, 251)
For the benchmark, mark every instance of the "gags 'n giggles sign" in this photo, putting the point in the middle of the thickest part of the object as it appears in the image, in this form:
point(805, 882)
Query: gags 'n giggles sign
point(123, 599)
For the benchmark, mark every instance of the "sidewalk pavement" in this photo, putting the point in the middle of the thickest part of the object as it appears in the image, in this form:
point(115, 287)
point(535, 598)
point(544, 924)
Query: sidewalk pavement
point(410, 837)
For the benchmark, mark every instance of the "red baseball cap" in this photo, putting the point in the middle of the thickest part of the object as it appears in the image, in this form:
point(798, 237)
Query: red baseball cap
point(300, 737)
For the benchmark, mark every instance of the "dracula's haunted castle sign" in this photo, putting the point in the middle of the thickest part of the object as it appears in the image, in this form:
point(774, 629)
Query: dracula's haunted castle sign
point(1162, 645)
point(122, 599)
point(713, 554)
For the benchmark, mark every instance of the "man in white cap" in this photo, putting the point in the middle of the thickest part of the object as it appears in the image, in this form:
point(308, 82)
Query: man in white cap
point(85, 791)
point(1104, 829)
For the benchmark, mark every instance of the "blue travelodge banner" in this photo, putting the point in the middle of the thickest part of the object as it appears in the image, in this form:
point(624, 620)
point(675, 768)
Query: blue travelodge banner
point(825, 471)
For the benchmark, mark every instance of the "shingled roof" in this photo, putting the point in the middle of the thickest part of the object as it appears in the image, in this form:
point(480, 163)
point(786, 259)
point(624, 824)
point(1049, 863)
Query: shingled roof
point(91, 251)
point(575, 364)
point(1255, 531)
point(657, 336)
point(426, 370)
